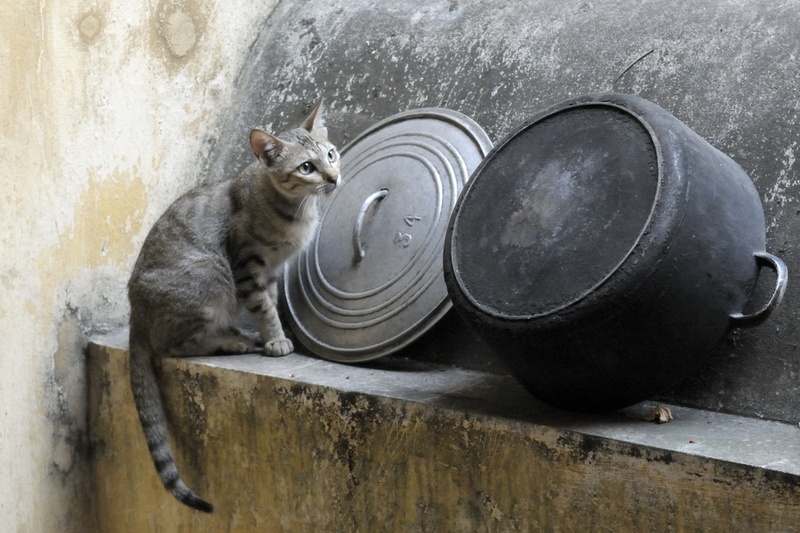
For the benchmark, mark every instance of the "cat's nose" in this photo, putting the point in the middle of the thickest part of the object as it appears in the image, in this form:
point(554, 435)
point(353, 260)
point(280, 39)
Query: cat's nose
point(332, 178)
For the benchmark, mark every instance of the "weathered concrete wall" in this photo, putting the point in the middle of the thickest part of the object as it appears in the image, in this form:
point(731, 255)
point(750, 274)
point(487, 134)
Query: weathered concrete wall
point(727, 68)
point(299, 445)
point(108, 112)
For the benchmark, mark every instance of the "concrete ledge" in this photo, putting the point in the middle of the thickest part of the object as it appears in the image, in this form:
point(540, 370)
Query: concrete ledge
point(299, 444)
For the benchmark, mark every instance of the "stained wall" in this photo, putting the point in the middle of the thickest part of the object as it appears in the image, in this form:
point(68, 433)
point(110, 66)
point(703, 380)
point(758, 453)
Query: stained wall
point(302, 445)
point(108, 111)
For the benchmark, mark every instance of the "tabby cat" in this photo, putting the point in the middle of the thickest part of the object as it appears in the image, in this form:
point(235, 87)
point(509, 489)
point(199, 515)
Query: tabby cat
point(218, 247)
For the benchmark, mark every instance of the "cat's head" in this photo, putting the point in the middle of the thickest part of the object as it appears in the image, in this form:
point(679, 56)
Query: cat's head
point(302, 161)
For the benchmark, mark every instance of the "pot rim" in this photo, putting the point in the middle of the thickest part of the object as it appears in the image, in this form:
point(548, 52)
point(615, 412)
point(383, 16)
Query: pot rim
point(662, 224)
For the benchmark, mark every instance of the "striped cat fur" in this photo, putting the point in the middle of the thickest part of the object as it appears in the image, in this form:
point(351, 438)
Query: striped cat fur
point(218, 247)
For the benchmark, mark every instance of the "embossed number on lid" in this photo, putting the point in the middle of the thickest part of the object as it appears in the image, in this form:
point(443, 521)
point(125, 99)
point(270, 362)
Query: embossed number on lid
point(371, 281)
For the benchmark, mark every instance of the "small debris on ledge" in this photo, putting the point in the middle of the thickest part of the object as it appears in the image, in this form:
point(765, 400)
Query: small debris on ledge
point(659, 414)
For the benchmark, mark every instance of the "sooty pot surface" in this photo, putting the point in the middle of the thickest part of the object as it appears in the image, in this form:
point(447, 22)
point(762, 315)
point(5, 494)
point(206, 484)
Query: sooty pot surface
point(604, 249)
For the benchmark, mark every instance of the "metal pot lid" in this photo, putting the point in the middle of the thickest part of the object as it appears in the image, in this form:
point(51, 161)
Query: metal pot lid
point(371, 280)
point(569, 196)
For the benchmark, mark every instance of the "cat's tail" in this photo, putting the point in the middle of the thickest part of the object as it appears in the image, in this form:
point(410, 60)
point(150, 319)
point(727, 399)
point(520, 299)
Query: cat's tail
point(154, 423)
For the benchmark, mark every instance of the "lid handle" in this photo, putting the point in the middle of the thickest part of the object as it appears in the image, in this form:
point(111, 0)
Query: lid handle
point(358, 249)
point(740, 320)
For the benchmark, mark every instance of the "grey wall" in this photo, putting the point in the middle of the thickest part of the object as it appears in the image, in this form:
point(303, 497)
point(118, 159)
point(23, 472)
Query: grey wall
point(728, 69)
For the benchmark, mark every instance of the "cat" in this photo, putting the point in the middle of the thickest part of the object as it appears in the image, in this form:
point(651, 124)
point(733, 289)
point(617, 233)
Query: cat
point(216, 248)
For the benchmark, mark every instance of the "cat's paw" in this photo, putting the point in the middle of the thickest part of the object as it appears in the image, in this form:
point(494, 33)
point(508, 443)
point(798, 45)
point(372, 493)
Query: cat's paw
point(278, 347)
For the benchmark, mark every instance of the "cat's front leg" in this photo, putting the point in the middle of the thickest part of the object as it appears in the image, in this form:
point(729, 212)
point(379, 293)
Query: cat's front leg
point(263, 305)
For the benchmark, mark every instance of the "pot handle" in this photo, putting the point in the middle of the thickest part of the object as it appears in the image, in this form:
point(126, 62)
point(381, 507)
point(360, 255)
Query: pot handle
point(358, 250)
point(739, 320)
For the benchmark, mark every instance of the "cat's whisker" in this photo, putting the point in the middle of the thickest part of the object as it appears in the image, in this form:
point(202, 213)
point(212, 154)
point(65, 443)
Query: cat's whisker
point(299, 209)
point(326, 188)
point(304, 204)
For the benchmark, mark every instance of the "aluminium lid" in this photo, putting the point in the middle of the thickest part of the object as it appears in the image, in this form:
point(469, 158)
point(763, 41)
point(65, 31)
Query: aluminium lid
point(371, 280)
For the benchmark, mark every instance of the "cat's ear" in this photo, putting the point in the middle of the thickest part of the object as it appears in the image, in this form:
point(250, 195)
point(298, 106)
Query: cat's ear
point(316, 120)
point(266, 147)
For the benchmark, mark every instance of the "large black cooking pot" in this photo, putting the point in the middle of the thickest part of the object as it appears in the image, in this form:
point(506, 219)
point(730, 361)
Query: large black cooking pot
point(604, 249)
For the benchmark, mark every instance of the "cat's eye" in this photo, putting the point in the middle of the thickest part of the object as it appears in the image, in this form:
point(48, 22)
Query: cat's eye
point(332, 155)
point(306, 168)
